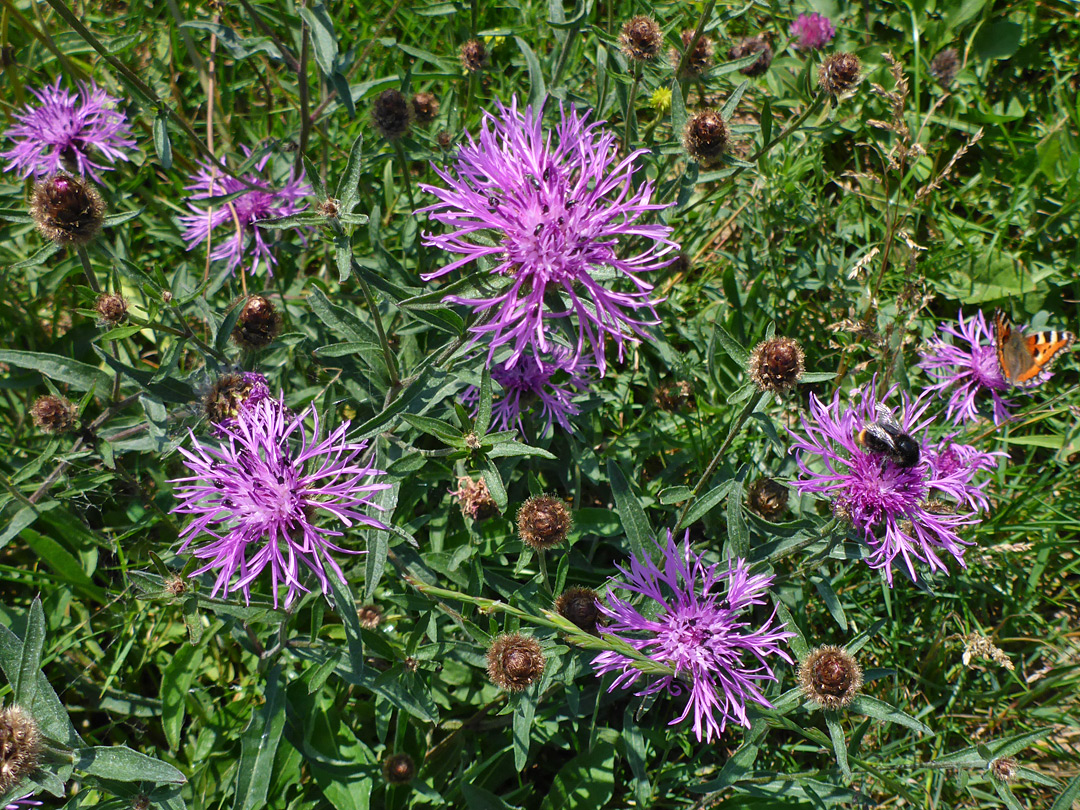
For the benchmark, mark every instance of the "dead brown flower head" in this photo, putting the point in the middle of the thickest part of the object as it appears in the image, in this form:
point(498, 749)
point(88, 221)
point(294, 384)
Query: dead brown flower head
point(20, 745)
point(370, 616)
point(398, 769)
point(830, 677)
point(259, 323)
point(475, 498)
point(544, 522)
point(768, 498)
point(640, 38)
point(391, 114)
point(777, 364)
point(53, 414)
point(1004, 769)
point(425, 107)
point(705, 137)
point(111, 308)
point(474, 55)
point(66, 211)
point(578, 605)
point(839, 73)
point(676, 396)
point(514, 661)
point(752, 45)
point(945, 66)
point(699, 59)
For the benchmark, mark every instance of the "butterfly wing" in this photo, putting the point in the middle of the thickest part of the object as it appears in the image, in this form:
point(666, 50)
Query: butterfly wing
point(1025, 359)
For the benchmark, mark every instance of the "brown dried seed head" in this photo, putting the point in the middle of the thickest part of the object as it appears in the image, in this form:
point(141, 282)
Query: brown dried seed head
point(425, 107)
point(777, 364)
point(370, 616)
point(1004, 769)
point(66, 211)
point(830, 677)
point(751, 45)
point(699, 58)
point(475, 498)
point(111, 308)
point(20, 745)
point(579, 606)
point(391, 114)
point(768, 498)
point(398, 769)
point(259, 323)
point(839, 73)
point(474, 55)
point(945, 66)
point(705, 137)
point(641, 38)
point(514, 661)
point(53, 414)
point(544, 522)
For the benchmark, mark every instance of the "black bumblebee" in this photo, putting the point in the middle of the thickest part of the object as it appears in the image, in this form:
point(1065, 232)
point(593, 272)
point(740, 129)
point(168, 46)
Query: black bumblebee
point(886, 438)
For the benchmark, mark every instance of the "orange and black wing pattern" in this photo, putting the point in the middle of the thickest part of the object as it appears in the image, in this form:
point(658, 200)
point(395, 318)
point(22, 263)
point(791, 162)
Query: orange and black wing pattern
point(1024, 359)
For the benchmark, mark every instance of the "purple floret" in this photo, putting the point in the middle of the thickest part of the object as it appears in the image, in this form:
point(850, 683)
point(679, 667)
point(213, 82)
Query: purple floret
point(259, 492)
point(896, 509)
point(699, 623)
point(549, 210)
point(965, 366)
point(812, 31)
point(66, 130)
point(240, 214)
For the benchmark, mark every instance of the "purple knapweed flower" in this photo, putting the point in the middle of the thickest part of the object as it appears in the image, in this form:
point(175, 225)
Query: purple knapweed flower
point(548, 385)
point(258, 493)
point(890, 505)
point(962, 463)
point(695, 627)
point(812, 31)
point(966, 367)
point(64, 131)
point(23, 801)
point(240, 215)
point(550, 209)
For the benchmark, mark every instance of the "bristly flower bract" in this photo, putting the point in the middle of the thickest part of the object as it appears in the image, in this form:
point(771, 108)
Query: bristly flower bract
point(964, 364)
point(239, 217)
point(550, 209)
point(886, 503)
point(69, 132)
point(259, 491)
point(700, 626)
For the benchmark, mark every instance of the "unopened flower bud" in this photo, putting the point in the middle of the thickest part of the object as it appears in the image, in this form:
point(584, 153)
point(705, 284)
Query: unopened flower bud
point(111, 308)
point(768, 498)
point(53, 414)
point(259, 323)
point(514, 661)
point(705, 137)
point(830, 677)
point(641, 38)
point(544, 522)
point(475, 498)
point(425, 107)
point(1004, 769)
point(474, 56)
point(579, 605)
point(777, 364)
point(370, 616)
point(751, 45)
point(20, 745)
point(839, 73)
point(391, 114)
point(699, 58)
point(398, 769)
point(945, 66)
point(66, 211)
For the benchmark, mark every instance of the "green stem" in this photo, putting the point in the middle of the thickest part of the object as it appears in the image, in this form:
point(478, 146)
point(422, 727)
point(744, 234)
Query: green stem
point(703, 20)
point(91, 279)
point(302, 87)
point(630, 106)
point(391, 366)
point(185, 333)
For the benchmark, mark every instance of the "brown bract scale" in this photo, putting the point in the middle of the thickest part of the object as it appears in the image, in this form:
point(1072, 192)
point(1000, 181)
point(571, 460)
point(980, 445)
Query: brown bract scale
point(945, 66)
point(768, 498)
point(578, 605)
point(699, 58)
point(475, 498)
point(259, 323)
point(67, 211)
point(839, 73)
point(640, 38)
point(391, 114)
point(425, 107)
point(544, 522)
point(474, 55)
point(53, 414)
point(514, 661)
point(111, 308)
point(830, 677)
point(398, 769)
point(176, 586)
point(20, 745)
point(705, 137)
point(370, 616)
point(752, 45)
point(1004, 769)
point(777, 364)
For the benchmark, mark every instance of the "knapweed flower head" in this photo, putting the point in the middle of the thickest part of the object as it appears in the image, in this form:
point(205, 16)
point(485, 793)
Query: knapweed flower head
point(888, 504)
point(237, 218)
point(259, 493)
point(233, 393)
point(545, 387)
point(963, 464)
point(550, 209)
point(701, 626)
point(70, 132)
point(20, 745)
point(811, 31)
point(964, 364)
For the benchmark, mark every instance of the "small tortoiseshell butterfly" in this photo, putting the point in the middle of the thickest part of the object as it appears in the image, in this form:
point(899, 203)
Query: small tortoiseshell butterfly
point(1025, 358)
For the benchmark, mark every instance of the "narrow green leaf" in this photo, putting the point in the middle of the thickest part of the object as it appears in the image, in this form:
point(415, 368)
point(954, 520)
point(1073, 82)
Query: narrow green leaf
point(705, 504)
point(121, 764)
point(537, 86)
point(1069, 796)
point(832, 602)
point(322, 36)
point(162, 144)
point(1006, 795)
point(441, 430)
point(732, 347)
point(524, 711)
point(738, 533)
point(798, 643)
point(737, 766)
point(346, 349)
point(50, 249)
point(348, 189)
point(493, 479)
point(22, 519)
point(674, 494)
point(880, 710)
point(483, 414)
point(30, 660)
point(46, 708)
point(78, 375)
point(732, 102)
point(505, 449)
point(345, 607)
point(836, 734)
point(175, 682)
point(635, 523)
point(258, 745)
